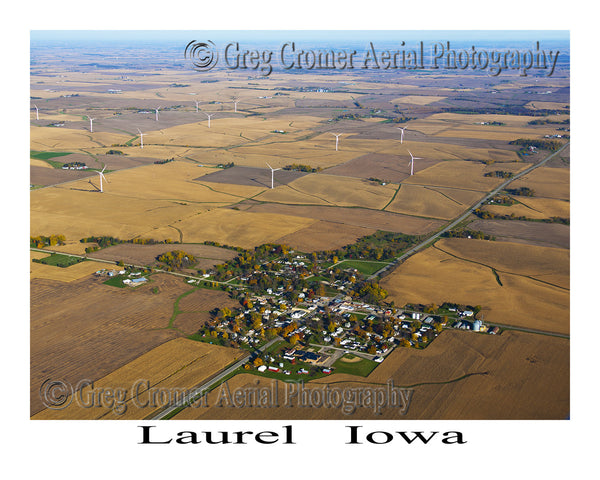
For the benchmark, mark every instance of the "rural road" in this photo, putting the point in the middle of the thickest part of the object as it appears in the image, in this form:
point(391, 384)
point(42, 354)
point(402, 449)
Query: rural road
point(198, 391)
point(462, 217)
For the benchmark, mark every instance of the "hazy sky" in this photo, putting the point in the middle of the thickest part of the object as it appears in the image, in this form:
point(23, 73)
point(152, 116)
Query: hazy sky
point(168, 36)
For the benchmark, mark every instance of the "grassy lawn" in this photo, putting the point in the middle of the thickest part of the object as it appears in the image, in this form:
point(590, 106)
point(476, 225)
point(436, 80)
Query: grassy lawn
point(116, 281)
point(364, 267)
point(58, 260)
point(361, 368)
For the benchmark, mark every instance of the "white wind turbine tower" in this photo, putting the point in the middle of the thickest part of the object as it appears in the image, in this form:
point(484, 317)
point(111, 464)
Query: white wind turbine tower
point(337, 138)
point(37, 112)
point(156, 110)
point(412, 162)
point(208, 117)
point(402, 133)
point(141, 138)
point(273, 170)
point(91, 124)
point(197, 103)
point(102, 177)
point(235, 102)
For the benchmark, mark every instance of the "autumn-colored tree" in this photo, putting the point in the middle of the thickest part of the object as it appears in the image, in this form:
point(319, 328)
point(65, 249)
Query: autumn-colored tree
point(294, 339)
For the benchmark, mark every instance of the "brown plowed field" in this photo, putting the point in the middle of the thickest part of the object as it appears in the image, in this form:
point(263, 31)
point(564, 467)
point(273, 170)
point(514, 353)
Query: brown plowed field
point(207, 255)
point(85, 329)
point(375, 219)
point(52, 176)
point(532, 233)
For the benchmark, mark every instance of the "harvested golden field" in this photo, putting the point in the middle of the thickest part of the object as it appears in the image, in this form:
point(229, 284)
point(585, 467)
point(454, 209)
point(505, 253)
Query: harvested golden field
point(461, 375)
point(78, 214)
point(85, 329)
point(447, 151)
point(341, 191)
point(417, 99)
point(526, 260)
point(74, 247)
point(68, 274)
point(532, 207)
point(516, 296)
point(324, 235)
point(34, 162)
point(457, 174)
point(236, 228)
point(547, 105)
point(171, 181)
point(173, 366)
point(442, 203)
point(547, 182)
point(49, 138)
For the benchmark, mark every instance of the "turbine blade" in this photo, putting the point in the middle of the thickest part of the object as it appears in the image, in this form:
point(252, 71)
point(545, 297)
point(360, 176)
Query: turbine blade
point(269, 166)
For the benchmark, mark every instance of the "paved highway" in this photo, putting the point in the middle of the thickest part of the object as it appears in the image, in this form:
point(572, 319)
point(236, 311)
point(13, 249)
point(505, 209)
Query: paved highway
point(461, 218)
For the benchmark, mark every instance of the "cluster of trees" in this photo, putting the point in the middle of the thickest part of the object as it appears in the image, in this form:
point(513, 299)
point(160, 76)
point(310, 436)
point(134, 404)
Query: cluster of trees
point(177, 259)
point(377, 180)
point(347, 116)
point(302, 168)
point(370, 292)
point(42, 241)
point(74, 164)
point(503, 200)
point(522, 191)
point(466, 233)
point(504, 110)
point(377, 246)
point(485, 215)
point(499, 174)
point(226, 165)
point(551, 145)
point(114, 152)
point(162, 162)
point(550, 121)
point(107, 241)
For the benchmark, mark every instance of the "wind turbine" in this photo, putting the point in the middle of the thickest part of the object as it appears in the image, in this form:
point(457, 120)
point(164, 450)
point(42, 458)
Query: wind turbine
point(141, 138)
point(235, 102)
point(402, 134)
point(91, 124)
point(412, 162)
point(37, 112)
point(273, 170)
point(156, 110)
point(196, 105)
point(102, 177)
point(337, 135)
point(208, 117)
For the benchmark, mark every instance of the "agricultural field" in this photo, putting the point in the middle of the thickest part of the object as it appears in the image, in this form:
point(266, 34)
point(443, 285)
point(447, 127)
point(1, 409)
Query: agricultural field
point(179, 363)
point(68, 274)
point(462, 375)
point(532, 233)
point(85, 329)
point(146, 254)
point(191, 180)
point(516, 284)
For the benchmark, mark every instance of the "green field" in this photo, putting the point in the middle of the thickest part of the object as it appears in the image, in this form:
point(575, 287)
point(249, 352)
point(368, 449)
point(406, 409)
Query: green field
point(363, 266)
point(59, 260)
point(361, 368)
point(47, 156)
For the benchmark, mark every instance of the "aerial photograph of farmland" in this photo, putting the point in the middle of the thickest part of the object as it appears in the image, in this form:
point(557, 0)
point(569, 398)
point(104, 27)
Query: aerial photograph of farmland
point(302, 225)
